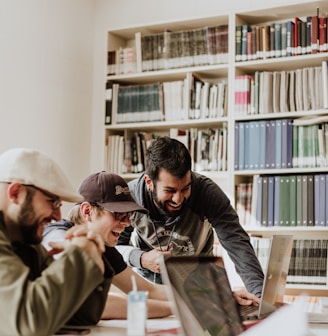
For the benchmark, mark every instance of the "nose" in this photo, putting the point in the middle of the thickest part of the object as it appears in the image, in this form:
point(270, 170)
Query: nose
point(125, 221)
point(56, 214)
point(178, 197)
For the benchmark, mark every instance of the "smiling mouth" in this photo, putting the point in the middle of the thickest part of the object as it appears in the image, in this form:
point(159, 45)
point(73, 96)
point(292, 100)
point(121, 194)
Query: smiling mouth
point(174, 206)
point(116, 233)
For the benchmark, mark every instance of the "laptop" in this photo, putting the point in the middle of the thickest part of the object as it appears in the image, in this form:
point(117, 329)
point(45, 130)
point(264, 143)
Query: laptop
point(203, 301)
point(275, 279)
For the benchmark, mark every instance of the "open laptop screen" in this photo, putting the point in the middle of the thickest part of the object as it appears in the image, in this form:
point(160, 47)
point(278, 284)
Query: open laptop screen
point(201, 292)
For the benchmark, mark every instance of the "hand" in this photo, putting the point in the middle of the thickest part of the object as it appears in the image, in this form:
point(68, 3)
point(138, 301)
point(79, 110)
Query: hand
point(150, 259)
point(245, 298)
point(82, 230)
point(90, 241)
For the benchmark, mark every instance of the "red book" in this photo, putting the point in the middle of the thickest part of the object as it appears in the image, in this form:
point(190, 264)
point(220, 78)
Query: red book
point(315, 35)
point(323, 34)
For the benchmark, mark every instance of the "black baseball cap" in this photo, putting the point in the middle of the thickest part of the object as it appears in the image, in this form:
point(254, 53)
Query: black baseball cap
point(110, 191)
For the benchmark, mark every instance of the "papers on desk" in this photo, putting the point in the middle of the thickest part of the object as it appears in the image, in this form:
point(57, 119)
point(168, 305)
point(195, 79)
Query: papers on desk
point(288, 320)
point(167, 326)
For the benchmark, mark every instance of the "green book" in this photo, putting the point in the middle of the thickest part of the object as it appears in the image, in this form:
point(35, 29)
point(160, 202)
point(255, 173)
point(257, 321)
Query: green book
point(292, 199)
point(298, 200)
point(284, 200)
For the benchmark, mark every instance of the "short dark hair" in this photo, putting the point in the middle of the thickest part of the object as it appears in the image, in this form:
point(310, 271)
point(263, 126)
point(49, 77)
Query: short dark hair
point(169, 154)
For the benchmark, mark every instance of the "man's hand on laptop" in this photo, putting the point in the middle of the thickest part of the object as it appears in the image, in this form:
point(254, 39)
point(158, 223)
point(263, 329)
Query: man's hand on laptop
point(151, 258)
point(245, 298)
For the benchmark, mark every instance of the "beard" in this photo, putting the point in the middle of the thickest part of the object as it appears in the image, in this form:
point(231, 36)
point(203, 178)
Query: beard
point(28, 224)
point(163, 207)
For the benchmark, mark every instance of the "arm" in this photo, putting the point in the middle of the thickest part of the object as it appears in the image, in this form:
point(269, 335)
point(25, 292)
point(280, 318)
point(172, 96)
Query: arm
point(231, 235)
point(116, 305)
point(43, 305)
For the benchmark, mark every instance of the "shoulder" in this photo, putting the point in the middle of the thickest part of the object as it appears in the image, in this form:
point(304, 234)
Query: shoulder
point(55, 231)
point(115, 259)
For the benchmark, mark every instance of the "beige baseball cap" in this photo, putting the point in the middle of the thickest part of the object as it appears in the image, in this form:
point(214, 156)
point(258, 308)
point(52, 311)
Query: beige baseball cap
point(31, 167)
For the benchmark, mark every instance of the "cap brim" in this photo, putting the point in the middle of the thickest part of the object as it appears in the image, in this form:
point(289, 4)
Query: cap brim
point(126, 206)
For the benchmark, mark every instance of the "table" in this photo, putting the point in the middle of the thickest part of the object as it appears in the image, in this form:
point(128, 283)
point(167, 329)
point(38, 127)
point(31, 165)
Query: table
point(118, 328)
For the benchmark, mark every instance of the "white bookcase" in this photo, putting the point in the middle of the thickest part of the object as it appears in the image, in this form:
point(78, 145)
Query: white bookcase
point(231, 177)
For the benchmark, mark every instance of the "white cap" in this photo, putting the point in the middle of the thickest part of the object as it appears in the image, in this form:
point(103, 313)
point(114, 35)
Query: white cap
point(30, 167)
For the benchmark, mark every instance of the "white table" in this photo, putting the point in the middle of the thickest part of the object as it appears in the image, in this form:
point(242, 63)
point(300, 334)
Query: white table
point(118, 328)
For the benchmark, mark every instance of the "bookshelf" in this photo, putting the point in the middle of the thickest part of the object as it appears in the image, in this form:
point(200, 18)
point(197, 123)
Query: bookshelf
point(128, 68)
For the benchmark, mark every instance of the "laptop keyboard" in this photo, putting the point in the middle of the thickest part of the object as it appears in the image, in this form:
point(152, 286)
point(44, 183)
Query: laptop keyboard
point(245, 310)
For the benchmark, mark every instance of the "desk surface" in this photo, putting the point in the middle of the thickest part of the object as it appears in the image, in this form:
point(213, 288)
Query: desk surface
point(118, 327)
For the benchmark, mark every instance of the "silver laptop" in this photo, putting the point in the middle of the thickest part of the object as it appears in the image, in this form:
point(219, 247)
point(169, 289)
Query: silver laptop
point(275, 279)
point(203, 301)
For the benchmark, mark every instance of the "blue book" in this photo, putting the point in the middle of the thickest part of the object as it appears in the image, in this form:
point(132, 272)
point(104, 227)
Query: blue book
point(278, 143)
point(236, 154)
point(246, 144)
point(270, 152)
point(254, 144)
point(289, 144)
point(262, 143)
point(241, 146)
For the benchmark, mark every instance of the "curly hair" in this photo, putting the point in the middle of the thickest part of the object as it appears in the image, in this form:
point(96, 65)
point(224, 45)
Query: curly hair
point(169, 154)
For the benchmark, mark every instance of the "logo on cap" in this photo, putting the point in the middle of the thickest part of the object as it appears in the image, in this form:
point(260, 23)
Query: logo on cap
point(122, 190)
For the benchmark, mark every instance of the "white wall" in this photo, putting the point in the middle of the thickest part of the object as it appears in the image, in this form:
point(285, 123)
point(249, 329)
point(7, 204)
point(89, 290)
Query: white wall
point(46, 79)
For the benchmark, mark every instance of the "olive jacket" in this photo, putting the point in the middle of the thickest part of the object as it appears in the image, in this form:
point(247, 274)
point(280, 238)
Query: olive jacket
point(39, 295)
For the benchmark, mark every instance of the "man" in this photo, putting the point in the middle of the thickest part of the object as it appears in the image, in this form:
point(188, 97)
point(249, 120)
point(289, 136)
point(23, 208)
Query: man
point(39, 294)
point(184, 207)
point(107, 209)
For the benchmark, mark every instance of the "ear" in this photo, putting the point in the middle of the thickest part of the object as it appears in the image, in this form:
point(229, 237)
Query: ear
point(149, 182)
point(86, 209)
point(14, 191)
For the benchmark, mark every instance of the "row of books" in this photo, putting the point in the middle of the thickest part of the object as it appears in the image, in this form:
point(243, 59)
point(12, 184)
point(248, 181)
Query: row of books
point(191, 98)
point(283, 200)
point(281, 91)
point(281, 143)
point(171, 49)
point(308, 264)
point(298, 36)
point(122, 61)
point(207, 147)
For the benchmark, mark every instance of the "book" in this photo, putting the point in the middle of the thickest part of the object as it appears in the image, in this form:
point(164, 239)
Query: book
point(315, 34)
point(304, 200)
point(292, 200)
point(278, 144)
point(284, 200)
point(265, 192)
point(325, 83)
point(271, 197)
point(238, 43)
point(299, 205)
point(142, 102)
point(259, 202)
point(108, 106)
point(310, 200)
point(276, 210)
point(270, 141)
